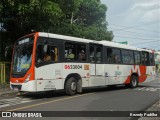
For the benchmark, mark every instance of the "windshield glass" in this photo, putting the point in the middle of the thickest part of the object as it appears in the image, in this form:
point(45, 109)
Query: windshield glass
point(22, 55)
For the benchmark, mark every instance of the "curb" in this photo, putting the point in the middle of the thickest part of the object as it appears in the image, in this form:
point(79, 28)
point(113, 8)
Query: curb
point(7, 93)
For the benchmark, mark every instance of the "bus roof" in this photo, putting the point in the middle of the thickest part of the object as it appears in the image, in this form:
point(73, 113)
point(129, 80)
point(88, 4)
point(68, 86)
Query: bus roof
point(50, 35)
point(103, 42)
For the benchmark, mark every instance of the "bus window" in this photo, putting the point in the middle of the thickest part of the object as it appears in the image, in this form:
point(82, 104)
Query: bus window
point(81, 52)
point(75, 51)
point(47, 53)
point(151, 59)
point(70, 51)
point(91, 51)
point(127, 57)
point(145, 58)
point(54, 53)
point(137, 57)
point(39, 54)
point(113, 55)
point(98, 54)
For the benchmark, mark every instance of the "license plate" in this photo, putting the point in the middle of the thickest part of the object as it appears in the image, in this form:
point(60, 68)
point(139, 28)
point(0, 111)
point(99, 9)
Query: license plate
point(16, 89)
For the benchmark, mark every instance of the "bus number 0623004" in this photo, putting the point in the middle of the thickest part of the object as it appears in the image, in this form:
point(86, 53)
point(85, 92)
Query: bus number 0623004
point(73, 66)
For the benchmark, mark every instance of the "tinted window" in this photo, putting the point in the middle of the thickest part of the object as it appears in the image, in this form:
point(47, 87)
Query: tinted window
point(91, 51)
point(127, 57)
point(151, 59)
point(113, 55)
point(75, 51)
point(145, 58)
point(137, 57)
point(46, 53)
point(98, 54)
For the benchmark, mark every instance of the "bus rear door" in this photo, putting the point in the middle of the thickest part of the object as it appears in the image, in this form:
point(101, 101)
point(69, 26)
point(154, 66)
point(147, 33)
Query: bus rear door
point(97, 69)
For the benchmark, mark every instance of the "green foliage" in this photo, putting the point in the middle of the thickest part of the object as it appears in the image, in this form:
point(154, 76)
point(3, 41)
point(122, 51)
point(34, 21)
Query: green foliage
point(80, 18)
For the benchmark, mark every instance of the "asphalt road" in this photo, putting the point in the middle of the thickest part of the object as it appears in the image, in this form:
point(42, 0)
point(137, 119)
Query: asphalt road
point(92, 99)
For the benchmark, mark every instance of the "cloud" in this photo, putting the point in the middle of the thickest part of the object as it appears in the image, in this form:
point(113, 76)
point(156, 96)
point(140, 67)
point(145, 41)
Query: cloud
point(144, 12)
point(151, 16)
point(145, 6)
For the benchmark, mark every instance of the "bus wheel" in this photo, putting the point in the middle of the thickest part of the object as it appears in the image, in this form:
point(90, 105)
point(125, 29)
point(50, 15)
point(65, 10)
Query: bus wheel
point(134, 81)
point(71, 86)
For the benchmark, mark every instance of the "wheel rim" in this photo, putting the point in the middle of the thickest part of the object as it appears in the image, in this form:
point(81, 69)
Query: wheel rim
point(134, 82)
point(73, 86)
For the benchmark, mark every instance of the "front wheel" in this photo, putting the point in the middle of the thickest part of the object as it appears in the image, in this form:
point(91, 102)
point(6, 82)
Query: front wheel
point(134, 82)
point(71, 86)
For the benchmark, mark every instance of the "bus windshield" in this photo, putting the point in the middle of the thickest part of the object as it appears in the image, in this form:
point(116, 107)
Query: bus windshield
point(22, 55)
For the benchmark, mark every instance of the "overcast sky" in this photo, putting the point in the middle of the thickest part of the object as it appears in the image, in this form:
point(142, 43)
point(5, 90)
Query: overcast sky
point(135, 21)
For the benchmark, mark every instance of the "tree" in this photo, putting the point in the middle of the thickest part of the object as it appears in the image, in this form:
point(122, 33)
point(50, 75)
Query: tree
point(19, 17)
point(79, 18)
point(84, 18)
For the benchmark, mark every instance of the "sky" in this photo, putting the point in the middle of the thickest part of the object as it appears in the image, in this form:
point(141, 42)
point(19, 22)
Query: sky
point(135, 21)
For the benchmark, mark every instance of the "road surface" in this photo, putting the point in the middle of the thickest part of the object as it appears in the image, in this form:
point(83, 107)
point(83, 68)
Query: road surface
point(92, 99)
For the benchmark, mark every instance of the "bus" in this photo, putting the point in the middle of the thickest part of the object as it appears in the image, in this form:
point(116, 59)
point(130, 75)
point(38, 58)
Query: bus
point(47, 62)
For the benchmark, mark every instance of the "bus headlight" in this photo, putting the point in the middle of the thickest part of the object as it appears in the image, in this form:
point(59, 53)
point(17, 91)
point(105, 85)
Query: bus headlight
point(27, 79)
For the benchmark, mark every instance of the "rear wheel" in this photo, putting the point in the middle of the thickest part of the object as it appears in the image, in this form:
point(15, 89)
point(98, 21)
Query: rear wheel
point(134, 81)
point(71, 86)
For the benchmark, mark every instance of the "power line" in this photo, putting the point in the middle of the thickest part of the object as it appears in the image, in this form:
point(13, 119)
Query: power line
point(153, 46)
point(133, 27)
point(137, 33)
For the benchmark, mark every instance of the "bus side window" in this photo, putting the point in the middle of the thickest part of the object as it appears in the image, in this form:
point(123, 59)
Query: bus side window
point(113, 55)
point(127, 57)
point(46, 53)
point(70, 50)
point(151, 59)
point(91, 51)
point(81, 52)
point(39, 53)
point(137, 57)
point(145, 58)
point(54, 53)
point(109, 55)
point(98, 54)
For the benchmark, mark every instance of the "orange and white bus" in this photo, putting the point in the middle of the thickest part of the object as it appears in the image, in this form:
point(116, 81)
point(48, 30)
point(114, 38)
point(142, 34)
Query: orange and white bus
point(46, 62)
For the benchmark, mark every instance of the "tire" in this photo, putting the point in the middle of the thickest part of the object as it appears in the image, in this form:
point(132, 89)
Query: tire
point(71, 86)
point(133, 81)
